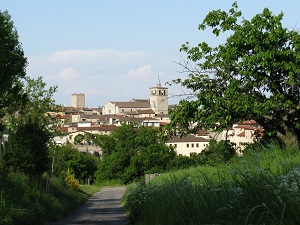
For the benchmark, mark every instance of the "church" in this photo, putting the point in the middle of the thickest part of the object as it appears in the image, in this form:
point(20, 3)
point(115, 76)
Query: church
point(157, 104)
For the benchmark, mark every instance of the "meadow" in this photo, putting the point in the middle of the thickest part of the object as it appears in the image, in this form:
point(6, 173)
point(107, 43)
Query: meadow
point(262, 187)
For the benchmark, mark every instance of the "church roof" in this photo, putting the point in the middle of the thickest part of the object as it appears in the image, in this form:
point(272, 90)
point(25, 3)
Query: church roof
point(138, 104)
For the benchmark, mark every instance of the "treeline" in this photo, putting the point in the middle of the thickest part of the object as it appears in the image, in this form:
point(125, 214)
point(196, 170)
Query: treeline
point(130, 152)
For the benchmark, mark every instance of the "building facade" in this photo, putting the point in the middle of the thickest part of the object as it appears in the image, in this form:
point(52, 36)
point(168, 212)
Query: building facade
point(78, 100)
point(157, 103)
point(159, 99)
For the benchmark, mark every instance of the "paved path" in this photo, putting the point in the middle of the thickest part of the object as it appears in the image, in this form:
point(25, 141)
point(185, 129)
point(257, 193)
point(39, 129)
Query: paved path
point(103, 208)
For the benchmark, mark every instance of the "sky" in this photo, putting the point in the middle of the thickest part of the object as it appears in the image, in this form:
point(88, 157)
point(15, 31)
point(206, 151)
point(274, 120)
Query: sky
point(116, 50)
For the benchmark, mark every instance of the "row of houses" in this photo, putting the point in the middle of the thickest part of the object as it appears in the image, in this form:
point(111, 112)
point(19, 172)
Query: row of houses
point(78, 122)
point(145, 112)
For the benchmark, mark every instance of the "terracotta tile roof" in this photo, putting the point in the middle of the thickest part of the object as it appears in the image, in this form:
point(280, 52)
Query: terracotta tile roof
point(140, 104)
point(63, 129)
point(190, 138)
point(140, 100)
point(98, 117)
point(145, 111)
point(134, 112)
point(202, 132)
point(131, 119)
point(100, 128)
point(150, 118)
point(241, 134)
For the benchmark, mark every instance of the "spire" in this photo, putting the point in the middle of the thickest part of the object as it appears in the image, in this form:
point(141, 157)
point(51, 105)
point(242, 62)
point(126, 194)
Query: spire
point(158, 82)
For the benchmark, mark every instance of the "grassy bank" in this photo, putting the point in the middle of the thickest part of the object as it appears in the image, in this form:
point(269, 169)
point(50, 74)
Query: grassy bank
point(260, 188)
point(27, 200)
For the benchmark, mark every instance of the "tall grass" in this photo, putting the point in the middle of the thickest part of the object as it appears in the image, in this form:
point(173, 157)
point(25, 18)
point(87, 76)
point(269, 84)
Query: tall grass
point(31, 200)
point(259, 188)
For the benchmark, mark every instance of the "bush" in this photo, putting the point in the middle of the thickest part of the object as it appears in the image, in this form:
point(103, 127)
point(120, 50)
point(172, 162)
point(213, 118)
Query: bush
point(71, 181)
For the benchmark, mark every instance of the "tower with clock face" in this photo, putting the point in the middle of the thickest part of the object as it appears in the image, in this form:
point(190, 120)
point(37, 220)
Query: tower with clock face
point(159, 99)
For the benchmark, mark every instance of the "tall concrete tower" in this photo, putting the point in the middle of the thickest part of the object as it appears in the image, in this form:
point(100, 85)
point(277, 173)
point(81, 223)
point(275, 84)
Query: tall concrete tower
point(159, 99)
point(78, 100)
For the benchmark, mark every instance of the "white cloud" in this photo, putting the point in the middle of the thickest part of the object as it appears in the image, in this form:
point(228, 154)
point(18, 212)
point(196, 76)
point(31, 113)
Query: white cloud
point(68, 74)
point(141, 72)
point(102, 74)
point(93, 57)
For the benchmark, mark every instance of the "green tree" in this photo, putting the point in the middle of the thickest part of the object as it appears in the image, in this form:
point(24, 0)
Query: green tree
point(106, 142)
point(36, 104)
point(131, 151)
point(27, 149)
point(82, 165)
point(79, 139)
point(254, 74)
point(12, 59)
point(217, 152)
point(12, 63)
point(31, 127)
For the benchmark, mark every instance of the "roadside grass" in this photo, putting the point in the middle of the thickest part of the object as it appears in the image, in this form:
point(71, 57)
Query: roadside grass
point(30, 200)
point(89, 189)
point(262, 187)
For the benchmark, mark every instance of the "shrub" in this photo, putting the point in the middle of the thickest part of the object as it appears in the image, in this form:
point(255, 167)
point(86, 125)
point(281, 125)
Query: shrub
point(71, 180)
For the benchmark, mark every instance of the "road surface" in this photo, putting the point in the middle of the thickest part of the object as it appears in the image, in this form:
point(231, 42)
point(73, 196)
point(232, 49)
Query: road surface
point(103, 208)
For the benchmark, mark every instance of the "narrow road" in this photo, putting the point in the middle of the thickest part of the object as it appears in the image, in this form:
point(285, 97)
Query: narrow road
point(103, 208)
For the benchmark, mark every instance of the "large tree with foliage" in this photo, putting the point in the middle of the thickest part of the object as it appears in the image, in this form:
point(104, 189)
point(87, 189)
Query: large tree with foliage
point(12, 60)
point(129, 152)
point(27, 149)
point(34, 101)
point(29, 122)
point(82, 165)
point(254, 74)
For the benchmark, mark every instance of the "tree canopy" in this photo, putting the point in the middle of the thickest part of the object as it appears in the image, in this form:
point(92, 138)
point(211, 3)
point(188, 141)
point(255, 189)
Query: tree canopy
point(254, 74)
point(130, 152)
point(12, 59)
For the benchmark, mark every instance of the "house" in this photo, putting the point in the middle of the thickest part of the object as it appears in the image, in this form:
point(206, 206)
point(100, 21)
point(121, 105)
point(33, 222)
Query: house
point(188, 145)
point(240, 134)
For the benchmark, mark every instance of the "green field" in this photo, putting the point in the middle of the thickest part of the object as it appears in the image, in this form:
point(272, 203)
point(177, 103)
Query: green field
point(262, 187)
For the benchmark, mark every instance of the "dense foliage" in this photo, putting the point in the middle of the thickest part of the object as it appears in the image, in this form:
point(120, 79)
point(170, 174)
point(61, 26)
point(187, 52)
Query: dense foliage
point(67, 158)
point(27, 193)
point(12, 59)
point(130, 152)
point(27, 149)
point(254, 74)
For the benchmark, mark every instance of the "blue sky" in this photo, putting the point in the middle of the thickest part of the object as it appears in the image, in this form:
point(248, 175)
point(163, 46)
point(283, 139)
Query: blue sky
point(115, 50)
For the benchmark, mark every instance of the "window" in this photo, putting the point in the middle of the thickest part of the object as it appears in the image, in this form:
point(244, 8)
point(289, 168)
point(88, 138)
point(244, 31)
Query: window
point(187, 145)
point(175, 145)
point(197, 145)
point(193, 145)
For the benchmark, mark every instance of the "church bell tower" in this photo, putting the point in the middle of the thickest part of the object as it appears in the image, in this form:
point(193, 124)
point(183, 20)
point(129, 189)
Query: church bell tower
point(159, 99)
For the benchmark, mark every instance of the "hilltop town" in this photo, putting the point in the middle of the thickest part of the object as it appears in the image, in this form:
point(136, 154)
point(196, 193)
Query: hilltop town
point(153, 112)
